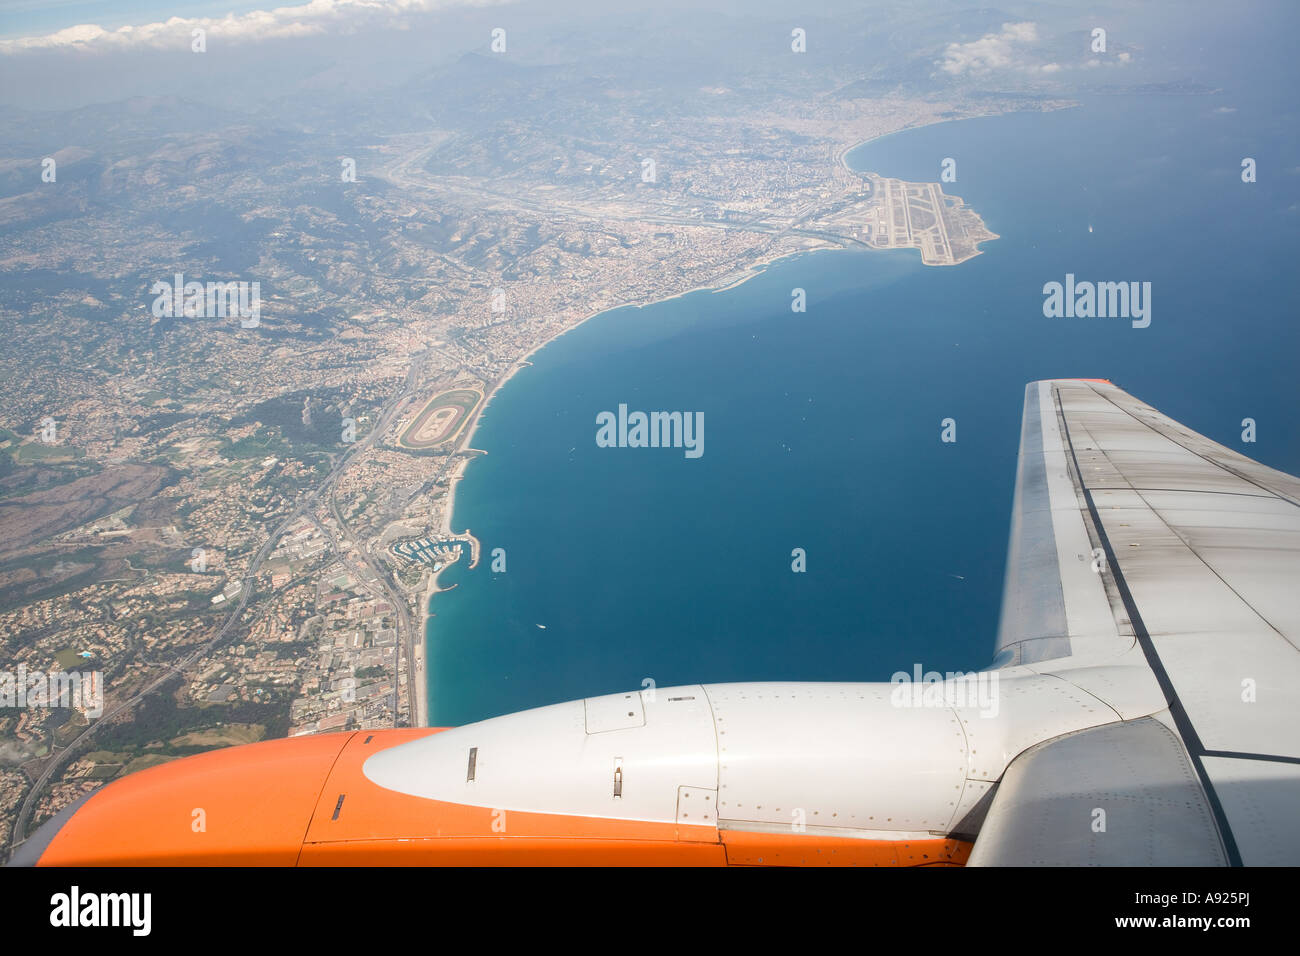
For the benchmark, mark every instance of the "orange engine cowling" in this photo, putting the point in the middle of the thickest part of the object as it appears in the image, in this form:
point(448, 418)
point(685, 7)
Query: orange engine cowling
point(306, 801)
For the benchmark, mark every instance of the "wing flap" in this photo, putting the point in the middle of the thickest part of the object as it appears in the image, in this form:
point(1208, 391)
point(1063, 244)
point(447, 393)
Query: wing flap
point(1123, 794)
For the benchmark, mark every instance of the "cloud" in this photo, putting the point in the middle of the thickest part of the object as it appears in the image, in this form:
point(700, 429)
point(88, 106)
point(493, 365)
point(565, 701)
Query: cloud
point(306, 19)
point(993, 51)
point(1011, 49)
point(1119, 59)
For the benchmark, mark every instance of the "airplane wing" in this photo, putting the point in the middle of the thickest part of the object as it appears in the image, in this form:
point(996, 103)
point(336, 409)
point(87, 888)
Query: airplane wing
point(1138, 542)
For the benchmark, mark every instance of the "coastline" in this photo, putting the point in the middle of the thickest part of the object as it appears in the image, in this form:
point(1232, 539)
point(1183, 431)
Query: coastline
point(728, 280)
point(842, 154)
point(722, 283)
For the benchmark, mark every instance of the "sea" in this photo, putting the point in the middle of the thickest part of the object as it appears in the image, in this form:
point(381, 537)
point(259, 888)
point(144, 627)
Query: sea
point(822, 429)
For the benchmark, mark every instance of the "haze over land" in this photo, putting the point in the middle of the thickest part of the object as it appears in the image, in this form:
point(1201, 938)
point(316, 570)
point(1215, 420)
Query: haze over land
point(223, 517)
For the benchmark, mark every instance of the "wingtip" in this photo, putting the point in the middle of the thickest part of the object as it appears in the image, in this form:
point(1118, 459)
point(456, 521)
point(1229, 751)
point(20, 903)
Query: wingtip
point(1102, 381)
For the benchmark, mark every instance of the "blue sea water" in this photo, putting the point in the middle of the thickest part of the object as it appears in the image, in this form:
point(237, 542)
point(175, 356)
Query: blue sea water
point(822, 429)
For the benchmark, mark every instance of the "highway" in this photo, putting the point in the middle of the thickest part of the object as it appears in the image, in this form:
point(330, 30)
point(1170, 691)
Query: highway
point(306, 505)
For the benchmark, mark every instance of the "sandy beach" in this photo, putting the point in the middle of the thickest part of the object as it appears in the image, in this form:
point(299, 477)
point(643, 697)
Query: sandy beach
point(419, 690)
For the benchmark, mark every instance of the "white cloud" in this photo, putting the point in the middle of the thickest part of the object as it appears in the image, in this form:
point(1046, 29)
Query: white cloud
point(1012, 48)
point(993, 51)
point(306, 19)
point(1120, 59)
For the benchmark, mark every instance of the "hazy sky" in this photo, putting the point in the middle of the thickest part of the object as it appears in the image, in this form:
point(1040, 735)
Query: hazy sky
point(60, 54)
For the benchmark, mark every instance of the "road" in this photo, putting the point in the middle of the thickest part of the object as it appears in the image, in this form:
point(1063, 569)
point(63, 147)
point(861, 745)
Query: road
point(408, 172)
point(306, 505)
